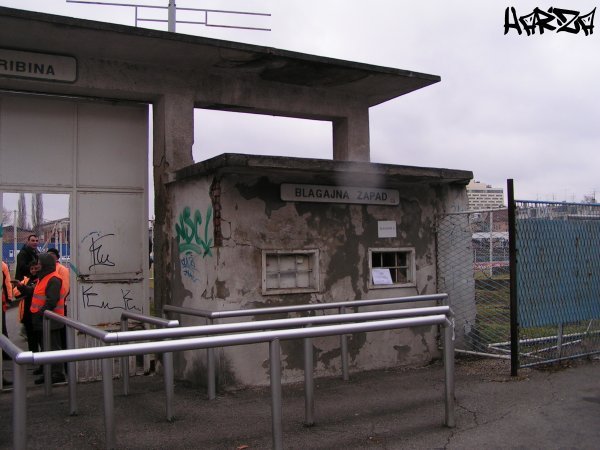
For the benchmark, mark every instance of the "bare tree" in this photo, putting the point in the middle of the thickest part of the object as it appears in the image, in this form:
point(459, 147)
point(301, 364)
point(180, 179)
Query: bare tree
point(7, 216)
point(22, 207)
point(37, 212)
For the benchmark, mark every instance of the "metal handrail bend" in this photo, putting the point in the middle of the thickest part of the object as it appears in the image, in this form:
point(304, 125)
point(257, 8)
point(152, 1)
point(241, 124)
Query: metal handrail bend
point(106, 353)
point(105, 338)
point(202, 330)
point(211, 316)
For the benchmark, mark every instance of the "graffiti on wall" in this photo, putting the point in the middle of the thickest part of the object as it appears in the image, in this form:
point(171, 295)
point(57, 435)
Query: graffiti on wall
point(193, 240)
point(125, 301)
point(98, 257)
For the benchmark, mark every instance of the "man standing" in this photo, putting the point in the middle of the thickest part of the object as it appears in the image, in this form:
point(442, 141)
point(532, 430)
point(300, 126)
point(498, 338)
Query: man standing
point(28, 253)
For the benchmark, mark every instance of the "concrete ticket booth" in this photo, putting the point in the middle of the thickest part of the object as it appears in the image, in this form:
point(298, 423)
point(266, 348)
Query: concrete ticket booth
point(256, 231)
point(233, 231)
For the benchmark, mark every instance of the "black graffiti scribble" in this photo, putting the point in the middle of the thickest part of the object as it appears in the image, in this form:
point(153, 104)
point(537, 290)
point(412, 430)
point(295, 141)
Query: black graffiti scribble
point(567, 20)
point(89, 300)
point(98, 258)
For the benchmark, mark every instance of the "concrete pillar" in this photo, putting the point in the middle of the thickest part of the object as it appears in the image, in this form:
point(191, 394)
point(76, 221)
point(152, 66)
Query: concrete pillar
point(351, 137)
point(173, 138)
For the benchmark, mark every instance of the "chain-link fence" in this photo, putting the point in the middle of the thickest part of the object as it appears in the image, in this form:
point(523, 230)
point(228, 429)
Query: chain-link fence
point(558, 280)
point(473, 268)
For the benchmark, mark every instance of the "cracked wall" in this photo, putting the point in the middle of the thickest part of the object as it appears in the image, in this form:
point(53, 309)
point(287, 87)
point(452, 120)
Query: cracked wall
point(248, 216)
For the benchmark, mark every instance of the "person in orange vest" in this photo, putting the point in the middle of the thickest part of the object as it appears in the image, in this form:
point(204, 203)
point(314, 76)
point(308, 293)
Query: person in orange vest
point(63, 271)
point(6, 299)
point(49, 294)
point(65, 276)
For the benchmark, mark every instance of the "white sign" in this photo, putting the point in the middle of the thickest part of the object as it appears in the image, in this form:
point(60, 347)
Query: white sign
point(15, 63)
point(386, 228)
point(338, 194)
point(381, 276)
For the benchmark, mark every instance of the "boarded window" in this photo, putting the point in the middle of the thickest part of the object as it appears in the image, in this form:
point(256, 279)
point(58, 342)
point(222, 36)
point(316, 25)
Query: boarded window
point(286, 272)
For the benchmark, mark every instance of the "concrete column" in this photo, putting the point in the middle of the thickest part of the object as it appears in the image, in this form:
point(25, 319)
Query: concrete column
point(173, 138)
point(351, 137)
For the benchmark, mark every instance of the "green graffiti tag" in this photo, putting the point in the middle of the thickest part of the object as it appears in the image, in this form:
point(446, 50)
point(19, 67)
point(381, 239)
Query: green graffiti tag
point(188, 232)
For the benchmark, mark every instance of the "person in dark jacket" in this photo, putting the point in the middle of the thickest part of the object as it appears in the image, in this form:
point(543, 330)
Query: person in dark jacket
point(23, 291)
point(27, 254)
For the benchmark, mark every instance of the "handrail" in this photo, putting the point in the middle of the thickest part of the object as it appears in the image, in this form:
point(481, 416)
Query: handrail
point(105, 337)
point(83, 354)
point(200, 330)
point(9, 347)
point(210, 316)
point(300, 308)
point(138, 335)
point(106, 353)
point(152, 320)
point(79, 326)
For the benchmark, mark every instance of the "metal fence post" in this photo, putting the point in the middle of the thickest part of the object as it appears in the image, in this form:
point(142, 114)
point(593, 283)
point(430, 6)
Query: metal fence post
point(344, 348)
point(211, 371)
point(276, 412)
point(109, 403)
point(72, 373)
point(169, 388)
point(309, 385)
point(449, 372)
point(46, 347)
point(19, 407)
point(512, 250)
point(559, 340)
point(125, 360)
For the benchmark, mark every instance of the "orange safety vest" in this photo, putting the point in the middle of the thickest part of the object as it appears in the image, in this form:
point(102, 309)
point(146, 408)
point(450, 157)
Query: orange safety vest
point(6, 287)
point(39, 295)
point(63, 274)
point(17, 294)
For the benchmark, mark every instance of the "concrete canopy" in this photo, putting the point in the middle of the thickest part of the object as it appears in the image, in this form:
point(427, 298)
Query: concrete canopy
point(50, 33)
point(323, 171)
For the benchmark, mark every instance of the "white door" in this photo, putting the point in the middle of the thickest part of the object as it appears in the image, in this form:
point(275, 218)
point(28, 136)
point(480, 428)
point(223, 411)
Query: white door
point(97, 152)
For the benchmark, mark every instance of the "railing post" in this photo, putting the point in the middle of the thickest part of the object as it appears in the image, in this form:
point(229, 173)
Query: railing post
point(109, 404)
point(344, 350)
point(512, 247)
point(275, 379)
point(211, 370)
point(559, 340)
point(169, 389)
point(309, 385)
point(449, 371)
point(46, 347)
point(72, 373)
point(125, 360)
point(19, 407)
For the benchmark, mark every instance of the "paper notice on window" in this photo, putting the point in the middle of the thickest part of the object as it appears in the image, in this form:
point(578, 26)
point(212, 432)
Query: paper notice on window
point(381, 276)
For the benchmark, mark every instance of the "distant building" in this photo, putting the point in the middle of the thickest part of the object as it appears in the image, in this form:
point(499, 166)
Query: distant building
point(484, 196)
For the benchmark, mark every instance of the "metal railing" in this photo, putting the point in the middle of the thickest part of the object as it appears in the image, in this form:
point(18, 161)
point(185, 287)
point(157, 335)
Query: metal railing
point(172, 10)
point(211, 316)
point(203, 330)
point(106, 353)
point(106, 337)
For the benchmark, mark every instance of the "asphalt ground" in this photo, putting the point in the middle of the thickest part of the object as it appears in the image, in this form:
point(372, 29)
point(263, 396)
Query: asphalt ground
point(553, 408)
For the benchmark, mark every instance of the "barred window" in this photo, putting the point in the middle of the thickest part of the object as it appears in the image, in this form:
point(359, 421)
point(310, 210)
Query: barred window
point(391, 267)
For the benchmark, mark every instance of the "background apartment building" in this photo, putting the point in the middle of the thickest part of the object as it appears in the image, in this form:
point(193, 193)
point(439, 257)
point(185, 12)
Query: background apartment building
point(484, 196)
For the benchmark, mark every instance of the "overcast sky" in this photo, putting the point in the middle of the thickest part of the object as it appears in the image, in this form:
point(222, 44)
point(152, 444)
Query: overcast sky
point(508, 106)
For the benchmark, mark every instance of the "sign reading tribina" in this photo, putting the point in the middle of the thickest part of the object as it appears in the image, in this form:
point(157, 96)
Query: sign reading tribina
point(20, 64)
point(338, 194)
